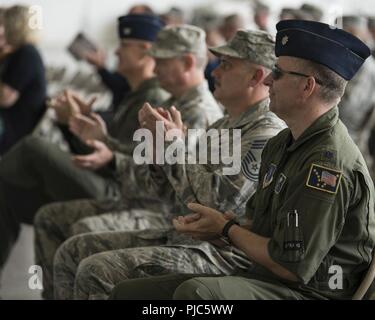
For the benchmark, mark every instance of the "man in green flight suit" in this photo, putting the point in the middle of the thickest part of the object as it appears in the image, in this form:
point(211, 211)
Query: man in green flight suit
point(313, 225)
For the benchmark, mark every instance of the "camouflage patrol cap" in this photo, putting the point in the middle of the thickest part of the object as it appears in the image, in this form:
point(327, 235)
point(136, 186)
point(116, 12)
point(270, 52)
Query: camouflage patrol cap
point(256, 46)
point(173, 41)
point(352, 21)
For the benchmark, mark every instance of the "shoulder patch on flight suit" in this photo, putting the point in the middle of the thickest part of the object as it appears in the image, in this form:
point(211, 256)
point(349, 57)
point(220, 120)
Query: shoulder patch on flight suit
point(268, 178)
point(280, 183)
point(324, 179)
point(328, 156)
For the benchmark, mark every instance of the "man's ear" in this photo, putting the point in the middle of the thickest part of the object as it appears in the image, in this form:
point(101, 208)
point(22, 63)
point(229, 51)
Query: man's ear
point(257, 77)
point(146, 46)
point(189, 61)
point(308, 87)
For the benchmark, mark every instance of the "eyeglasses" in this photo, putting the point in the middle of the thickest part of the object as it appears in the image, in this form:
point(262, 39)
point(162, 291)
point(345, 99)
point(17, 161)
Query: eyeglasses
point(277, 73)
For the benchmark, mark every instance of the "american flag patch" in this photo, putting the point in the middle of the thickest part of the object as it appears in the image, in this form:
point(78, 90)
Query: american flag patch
point(324, 179)
point(329, 178)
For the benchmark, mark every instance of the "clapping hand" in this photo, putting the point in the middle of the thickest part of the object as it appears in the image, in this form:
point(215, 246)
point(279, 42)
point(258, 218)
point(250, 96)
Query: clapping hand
point(101, 156)
point(90, 127)
point(204, 224)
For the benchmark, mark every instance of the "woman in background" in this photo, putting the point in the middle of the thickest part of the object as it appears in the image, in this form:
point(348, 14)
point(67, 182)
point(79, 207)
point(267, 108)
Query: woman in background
point(22, 80)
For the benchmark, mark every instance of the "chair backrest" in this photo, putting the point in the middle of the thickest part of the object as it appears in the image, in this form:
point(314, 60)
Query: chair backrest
point(367, 281)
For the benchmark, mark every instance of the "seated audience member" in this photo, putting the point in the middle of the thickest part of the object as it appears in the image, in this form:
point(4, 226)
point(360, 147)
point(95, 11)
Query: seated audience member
point(313, 211)
point(4, 48)
point(230, 25)
point(22, 81)
point(261, 16)
point(245, 62)
point(359, 98)
point(315, 12)
point(114, 80)
point(39, 172)
point(174, 16)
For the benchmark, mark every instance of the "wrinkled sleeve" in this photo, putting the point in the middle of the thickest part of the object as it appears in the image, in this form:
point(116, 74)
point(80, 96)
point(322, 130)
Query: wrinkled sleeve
point(211, 187)
point(118, 147)
point(21, 70)
point(135, 179)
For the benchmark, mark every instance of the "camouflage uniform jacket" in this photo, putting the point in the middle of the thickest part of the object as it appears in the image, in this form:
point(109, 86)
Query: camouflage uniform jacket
point(198, 109)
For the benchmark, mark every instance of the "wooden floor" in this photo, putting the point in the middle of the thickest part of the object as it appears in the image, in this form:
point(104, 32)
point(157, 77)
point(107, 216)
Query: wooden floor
point(15, 277)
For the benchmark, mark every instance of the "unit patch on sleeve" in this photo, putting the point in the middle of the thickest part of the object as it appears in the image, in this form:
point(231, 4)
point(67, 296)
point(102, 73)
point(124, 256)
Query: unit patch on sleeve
point(280, 183)
point(323, 179)
point(268, 178)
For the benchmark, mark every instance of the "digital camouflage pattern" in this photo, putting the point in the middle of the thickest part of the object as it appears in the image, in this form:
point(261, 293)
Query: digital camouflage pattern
point(250, 45)
point(257, 124)
point(179, 184)
point(359, 100)
point(198, 109)
point(174, 41)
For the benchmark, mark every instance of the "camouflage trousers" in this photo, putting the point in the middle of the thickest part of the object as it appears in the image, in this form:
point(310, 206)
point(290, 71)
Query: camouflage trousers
point(88, 266)
point(55, 223)
point(202, 287)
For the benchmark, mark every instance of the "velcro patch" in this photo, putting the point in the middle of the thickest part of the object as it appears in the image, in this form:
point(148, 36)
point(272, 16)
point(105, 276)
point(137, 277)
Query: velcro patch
point(323, 179)
point(293, 245)
point(251, 163)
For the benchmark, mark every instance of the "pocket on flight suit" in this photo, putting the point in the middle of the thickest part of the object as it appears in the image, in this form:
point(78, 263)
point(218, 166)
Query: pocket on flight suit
point(291, 236)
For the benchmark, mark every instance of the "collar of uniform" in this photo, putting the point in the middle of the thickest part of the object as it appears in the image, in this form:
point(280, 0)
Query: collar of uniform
point(252, 113)
point(323, 123)
point(191, 94)
point(146, 84)
point(152, 82)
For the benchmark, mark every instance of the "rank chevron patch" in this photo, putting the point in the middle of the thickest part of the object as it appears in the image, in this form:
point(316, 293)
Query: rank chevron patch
point(250, 165)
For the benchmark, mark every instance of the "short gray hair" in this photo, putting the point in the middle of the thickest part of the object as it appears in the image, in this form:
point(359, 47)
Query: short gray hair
point(333, 86)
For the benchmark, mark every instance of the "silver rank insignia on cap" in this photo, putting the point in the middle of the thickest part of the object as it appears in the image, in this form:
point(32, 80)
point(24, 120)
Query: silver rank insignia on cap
point(284, 40)
point(127, 31)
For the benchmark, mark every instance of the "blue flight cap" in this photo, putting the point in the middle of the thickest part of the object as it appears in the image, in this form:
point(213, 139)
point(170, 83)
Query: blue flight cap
point(334, 48)
point(139, 26)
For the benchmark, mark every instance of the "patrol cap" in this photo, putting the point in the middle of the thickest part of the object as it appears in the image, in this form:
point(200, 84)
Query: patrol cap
point(371, 22)
point(286, 13)
point(314, 11)
point(300, 14)
point(357, 22)
point(334, 48)
point(139, 26)
point(261, 7)
point(256, 46)
point(173, 41)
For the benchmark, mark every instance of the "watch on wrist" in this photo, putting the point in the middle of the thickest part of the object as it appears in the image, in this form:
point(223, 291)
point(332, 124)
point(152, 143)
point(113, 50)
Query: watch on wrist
point(227, 226)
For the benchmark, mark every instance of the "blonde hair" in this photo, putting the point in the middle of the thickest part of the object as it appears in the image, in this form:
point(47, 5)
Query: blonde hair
point(17, 26)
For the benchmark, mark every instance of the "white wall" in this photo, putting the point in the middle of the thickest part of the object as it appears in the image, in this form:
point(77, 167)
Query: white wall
point(97, 18)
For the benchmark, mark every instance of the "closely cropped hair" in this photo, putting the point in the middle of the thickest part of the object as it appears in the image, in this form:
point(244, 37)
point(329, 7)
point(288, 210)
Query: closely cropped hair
point(333, 87)
point(17, 27)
